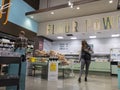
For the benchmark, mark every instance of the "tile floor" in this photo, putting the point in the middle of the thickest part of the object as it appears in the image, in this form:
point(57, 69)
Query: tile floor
point(95, 82)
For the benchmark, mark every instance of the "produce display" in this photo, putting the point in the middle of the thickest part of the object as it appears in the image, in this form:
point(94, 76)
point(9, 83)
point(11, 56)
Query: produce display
point(52, 53)
point(41, 53)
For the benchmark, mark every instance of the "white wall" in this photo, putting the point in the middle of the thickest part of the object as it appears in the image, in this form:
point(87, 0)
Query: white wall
point(47, 45)
point(99, 45)
point(73, 46)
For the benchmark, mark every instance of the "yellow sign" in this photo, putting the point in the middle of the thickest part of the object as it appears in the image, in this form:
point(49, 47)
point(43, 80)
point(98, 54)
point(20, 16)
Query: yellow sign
point(33, 59)
point(4, 9)
point(53, 66)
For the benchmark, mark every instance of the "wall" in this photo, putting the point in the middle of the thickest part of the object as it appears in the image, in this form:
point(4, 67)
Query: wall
point(17, 15)
point(47, 45)
point(93, 23)
point(99, 45)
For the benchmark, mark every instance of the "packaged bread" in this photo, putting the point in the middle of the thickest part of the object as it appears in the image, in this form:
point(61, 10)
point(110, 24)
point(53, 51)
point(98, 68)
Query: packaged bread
point(40, 53)
point(52, 53)
point(43, 60)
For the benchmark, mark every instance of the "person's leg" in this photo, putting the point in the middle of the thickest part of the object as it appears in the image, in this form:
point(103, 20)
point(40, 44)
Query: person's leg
point(81, 69)
point(87, 69)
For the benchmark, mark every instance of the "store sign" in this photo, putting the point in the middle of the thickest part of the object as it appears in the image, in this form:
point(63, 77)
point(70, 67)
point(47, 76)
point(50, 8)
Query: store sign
point(4, 10)
point(115, 54)
point(107, 21)
point(53, 71)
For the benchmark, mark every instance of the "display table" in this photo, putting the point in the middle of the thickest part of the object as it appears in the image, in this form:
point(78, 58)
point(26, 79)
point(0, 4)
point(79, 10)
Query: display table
point(94, 66)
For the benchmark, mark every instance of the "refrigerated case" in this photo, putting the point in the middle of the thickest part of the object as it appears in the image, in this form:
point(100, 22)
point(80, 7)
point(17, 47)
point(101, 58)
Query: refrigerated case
point(115, 58)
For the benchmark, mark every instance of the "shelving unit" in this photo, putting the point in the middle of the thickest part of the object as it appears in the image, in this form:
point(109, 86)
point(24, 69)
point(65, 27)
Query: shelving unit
point(10, 80)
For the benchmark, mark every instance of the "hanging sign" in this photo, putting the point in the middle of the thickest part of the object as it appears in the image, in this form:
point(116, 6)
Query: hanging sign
point(4, 10)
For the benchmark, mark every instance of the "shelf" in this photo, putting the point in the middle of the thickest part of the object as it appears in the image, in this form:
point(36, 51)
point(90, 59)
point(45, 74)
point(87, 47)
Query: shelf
point(9, 80)
point(9, 60)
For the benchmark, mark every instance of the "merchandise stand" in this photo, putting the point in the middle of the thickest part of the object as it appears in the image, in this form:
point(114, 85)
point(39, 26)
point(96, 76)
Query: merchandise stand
point(11, 79)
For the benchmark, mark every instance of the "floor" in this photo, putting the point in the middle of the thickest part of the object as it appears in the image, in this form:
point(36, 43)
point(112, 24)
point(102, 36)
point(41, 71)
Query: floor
point(95, 82)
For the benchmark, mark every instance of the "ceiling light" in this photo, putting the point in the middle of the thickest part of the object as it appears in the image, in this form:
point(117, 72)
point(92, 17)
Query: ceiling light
point(71, 6)
point(31, 17)
point(52, 13)
point(115, 35)
point(69, 3)
point(59, 37)
point(78, 8)
point(73, 38)
point(92, 36)
point(110, 1)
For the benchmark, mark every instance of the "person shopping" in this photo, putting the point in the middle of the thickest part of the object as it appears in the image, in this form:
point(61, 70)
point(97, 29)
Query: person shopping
point(85, 59)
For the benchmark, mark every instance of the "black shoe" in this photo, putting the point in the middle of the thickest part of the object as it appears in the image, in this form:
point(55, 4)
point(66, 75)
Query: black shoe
point(85, 79)
point(79, 80)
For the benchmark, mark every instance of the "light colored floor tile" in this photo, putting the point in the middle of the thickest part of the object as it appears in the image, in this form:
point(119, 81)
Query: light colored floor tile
point(95, 82)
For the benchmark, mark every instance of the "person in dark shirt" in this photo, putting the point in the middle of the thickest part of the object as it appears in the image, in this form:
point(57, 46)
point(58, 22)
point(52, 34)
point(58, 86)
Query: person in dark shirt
point(85, 59)
point(21, 41)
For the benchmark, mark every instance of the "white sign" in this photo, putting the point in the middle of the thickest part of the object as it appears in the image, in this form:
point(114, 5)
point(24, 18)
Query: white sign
point(53, 71)
point(115, 54)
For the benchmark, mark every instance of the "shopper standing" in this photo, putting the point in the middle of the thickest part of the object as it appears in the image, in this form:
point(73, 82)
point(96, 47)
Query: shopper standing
point(85, 59)
point(20, 47)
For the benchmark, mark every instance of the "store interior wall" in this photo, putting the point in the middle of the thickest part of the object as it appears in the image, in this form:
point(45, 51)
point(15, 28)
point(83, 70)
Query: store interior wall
point(47, 45)
point(17, 15)
point(100, 46)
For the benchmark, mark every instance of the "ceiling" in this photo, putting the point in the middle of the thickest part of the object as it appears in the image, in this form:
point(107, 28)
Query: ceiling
point(99, 34)
point(95, 7)
point(87, 9)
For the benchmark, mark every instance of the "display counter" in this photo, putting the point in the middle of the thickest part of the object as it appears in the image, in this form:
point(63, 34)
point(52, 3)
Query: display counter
point(119, 75)
point(114, 68)
point(99, 63)
point(94, 66)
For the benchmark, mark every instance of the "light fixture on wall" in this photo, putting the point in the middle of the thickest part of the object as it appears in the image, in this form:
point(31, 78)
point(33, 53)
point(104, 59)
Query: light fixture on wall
point(92, 36)
point(59, 37)
point(115, 35)
point(73, 38)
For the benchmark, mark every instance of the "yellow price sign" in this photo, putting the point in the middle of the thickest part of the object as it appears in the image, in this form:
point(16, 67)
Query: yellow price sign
point(53, 66)
point(33, 59)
